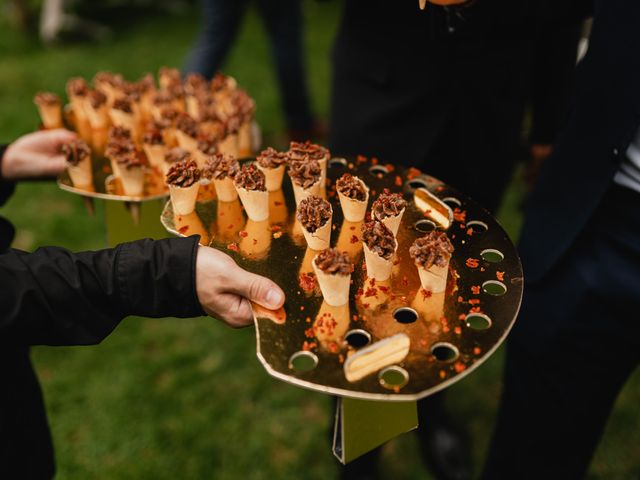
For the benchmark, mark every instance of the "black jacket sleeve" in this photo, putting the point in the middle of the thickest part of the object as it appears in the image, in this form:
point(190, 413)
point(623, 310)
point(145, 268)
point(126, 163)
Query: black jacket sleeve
point(56, 297)
point(6, 187)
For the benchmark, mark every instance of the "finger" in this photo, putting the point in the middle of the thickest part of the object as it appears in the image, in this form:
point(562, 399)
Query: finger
point(50, 165)
point(233, 309)
point(53, 139)
point(256, 288)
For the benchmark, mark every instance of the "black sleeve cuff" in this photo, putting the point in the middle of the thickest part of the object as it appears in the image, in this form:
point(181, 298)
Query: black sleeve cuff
point(6, 187)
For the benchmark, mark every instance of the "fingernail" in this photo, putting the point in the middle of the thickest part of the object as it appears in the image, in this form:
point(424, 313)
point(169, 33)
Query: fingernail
point(273, 298)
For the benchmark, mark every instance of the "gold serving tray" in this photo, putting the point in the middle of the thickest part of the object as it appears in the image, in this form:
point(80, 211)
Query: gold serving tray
point(307, 342)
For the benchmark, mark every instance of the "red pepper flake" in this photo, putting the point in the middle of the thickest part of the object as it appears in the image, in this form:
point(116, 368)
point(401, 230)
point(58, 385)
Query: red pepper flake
point(355, 318)
point(474, 310)
point(277, 235)
point(333, 347)
point(221, 214)
point(184, 229)
point(308, 320)
point(459, 367)
point(365, 305)
point(301, 308)
point(278, 203)
point(477, 351)
point(361, 159)
point(443, 374)
point(255, 241)
point(405, 281)
point(500, 276)
point(308, 346)
point(475, 289)
point(359, 292)
point(474, 301)
point(341, 358)
point(457, 331)
point(230, 226)
point(383, 289)
point(389, 167)
point(354, 239)
point(423, 342)
point(374, 161)
point(371, 292)
point(470, 231)
point(352, 227)
point(234, 247)
point(426, 293)
point(459, 215)
point(445, 329)
point(307, 282)
point(472, 262)
point(243, 233)
point(276, 228)
point(398, 181)
point(426, 214)
point(309, 333)
point(462, 317)
point(460, 299)
point(413, 173)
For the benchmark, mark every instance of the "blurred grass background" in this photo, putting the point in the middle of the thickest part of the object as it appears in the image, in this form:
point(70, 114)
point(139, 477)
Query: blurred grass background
point(164, 399)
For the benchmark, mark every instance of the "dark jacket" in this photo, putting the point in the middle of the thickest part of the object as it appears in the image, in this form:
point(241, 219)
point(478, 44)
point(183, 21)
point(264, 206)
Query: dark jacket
point(56, 297)
point(604, 119)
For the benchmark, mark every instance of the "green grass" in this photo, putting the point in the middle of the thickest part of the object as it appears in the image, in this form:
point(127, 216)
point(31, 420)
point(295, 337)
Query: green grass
point(165, 399)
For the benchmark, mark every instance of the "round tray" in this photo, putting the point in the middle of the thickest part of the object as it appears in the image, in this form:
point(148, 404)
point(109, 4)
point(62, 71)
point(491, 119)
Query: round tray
point(307, 342)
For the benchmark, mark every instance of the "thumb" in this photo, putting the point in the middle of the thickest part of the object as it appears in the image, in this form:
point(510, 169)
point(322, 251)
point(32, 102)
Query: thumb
point(256, 288)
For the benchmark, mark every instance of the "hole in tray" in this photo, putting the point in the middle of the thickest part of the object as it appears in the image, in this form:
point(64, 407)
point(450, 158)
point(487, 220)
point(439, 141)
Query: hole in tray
point(417, 183)
point(338, 162)
point(393, 377)
point(425, 226)
point(494, 287)
point(445, 352)
point(303, 361)
point(378, 171)
point(478, 321)
point(477, 226)
point(492, 255)
point(452, 202)
point(405, 315)
point(358, 338)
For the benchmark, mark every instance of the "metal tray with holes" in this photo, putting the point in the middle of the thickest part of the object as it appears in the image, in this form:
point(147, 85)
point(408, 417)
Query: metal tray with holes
point(307, 342)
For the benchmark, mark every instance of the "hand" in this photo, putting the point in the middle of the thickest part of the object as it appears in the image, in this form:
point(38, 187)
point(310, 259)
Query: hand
point(36, 155)
point(225, 290)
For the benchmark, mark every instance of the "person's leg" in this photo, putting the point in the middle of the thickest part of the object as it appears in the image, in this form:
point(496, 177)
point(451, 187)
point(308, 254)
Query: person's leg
point(283, 21)
point(221, 20)
point(571, 351)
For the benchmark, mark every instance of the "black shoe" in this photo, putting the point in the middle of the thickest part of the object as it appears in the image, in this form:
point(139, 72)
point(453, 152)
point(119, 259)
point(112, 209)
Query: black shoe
point(444, 445)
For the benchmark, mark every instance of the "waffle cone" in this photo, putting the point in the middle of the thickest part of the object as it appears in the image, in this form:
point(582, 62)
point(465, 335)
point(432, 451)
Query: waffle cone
point(301, 193)
point(51, 116)
point(155, 155)
point(321, 238)
point(335, 288)
point(273, 177)
point(245, 142)
point(393, 223)
point(184, 199)
point(187, 142)
point(377, 267)
point(81, 174)
point(132, 181)
point(225, 189)
point(229, 145)
point(434, 279)
point(353, 210)
point(255, 203)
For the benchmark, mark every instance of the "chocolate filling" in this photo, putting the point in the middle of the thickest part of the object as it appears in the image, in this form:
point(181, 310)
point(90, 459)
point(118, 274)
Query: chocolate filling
point(379, 239)
point(187, 125)
point(46, 99)
point(313, 213)
point(271, 158)
point(388, 205)
point(97, 98)
point(300, 150)
point(176, 155)
point(434, 248)
point(334, 262)
point(153, 136)
point(220, 166)
point(183, 174)
point(75, 151)
point(123, 104)
point(305, 173)
point(250, 178)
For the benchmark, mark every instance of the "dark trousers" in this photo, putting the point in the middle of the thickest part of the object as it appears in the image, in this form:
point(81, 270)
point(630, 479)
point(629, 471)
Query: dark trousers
point(283, 22)
point(576, 342)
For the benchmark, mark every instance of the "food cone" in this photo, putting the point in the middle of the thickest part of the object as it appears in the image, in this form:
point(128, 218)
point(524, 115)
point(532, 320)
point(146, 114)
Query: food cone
point(155, 154)
point(255, 203)
point(353, 210)
point(125, 120)
point(255, 243)
point(335, 288)
point(323, 171)
point(225, 189)
point(187, 142)
point(184, 199)
point(321, 238)
point(434, 279)
point(301, 193)
point(132, 180)
point(393, 223)
point(378, 268)
point(81, 174)
point(273, 177)
point(99, 139)
point(245, 142)
point(193, 107)
point(51, 116)
point(229, 145)
point(98, 117)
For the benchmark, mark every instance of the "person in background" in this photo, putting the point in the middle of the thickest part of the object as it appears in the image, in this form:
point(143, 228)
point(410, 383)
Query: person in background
point(577, 339)
point(56, 297)
point(283, 22)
